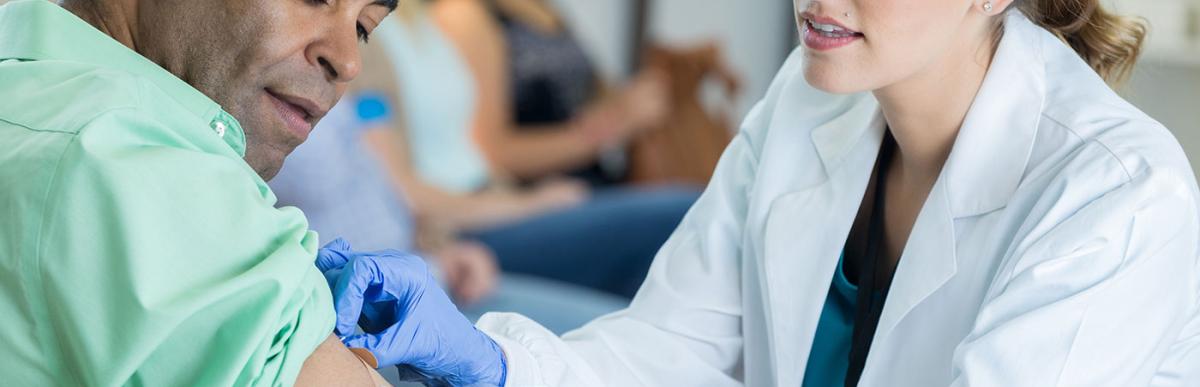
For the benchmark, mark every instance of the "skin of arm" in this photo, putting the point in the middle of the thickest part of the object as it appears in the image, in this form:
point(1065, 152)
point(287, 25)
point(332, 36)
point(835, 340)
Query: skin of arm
point(332, 364)
point(432, 204)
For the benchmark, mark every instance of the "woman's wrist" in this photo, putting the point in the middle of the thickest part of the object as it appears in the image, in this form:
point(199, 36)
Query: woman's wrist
point(589, 133)
point(604, 125)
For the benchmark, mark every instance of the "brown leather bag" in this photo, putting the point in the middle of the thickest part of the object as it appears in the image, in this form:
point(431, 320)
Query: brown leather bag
point(686, 148)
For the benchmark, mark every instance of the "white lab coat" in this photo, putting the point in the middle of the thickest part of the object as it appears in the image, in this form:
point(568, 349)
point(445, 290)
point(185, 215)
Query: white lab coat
point(1058, 248)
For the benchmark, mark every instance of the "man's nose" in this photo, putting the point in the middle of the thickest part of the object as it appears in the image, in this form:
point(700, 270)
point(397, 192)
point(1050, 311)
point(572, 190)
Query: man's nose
point(336, 51)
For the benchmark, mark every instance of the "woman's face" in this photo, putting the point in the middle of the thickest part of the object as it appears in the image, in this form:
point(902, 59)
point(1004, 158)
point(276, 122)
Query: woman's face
point(864, 45)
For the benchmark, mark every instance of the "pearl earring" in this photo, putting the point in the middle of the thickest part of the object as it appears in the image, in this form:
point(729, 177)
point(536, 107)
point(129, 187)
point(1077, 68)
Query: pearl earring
point(987, 6)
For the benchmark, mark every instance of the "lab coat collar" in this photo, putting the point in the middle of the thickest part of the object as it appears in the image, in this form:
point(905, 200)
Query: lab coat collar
point(982, 173)
point(994, 145)
point(855, 117)
point(1003, 120)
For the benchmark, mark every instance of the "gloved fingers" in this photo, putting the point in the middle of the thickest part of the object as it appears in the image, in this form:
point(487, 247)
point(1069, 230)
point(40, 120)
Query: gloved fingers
point(386, 345)
point(409, 374)
point(332, 276)
point(333, 255)
point(339, 244)
point(351, 290)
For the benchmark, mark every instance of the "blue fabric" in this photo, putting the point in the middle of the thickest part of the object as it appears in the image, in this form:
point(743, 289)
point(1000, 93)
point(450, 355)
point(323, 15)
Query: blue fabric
point(372, 108)
point(605, 243)
point(829, 358)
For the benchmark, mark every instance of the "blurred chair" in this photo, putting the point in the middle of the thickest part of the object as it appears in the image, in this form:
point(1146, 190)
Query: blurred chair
point(687, 147)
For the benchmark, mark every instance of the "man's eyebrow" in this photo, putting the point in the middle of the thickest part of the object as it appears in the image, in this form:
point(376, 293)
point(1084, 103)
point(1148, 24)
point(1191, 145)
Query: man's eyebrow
point(390, 4)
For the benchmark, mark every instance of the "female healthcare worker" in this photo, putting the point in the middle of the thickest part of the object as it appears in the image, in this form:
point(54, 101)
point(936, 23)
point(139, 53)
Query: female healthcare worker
point(954, 158)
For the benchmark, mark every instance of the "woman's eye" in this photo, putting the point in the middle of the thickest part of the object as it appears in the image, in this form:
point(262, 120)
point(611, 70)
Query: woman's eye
point(362, 32)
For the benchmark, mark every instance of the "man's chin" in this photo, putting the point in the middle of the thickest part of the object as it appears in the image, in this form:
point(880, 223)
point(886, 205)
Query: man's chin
point(266, 160)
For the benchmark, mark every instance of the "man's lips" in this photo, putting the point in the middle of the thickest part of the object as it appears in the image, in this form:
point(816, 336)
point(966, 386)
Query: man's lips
point(300, 114)
point(310, 108)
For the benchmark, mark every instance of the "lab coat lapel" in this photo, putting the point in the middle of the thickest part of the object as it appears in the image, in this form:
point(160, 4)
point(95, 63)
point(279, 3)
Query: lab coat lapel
point(806, 230)
point(928, 261)
point(807, 226)
point(981, 174)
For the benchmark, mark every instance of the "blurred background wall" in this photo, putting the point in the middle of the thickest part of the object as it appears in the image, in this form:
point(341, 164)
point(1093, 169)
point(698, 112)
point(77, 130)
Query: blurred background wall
point(757, 34)
point(1166, 83)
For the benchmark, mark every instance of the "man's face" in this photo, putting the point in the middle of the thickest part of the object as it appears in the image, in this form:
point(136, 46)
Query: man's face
point(275, 65)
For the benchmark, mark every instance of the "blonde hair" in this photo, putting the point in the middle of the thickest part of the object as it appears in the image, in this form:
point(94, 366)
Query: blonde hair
point(1108, 42)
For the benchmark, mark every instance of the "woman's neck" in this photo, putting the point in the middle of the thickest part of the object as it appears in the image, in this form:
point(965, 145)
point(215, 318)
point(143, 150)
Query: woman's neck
point(926, 111)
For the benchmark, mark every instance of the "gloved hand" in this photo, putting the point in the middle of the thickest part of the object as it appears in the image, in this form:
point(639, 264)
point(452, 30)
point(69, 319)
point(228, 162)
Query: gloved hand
point(409, 321)
point(331, 258)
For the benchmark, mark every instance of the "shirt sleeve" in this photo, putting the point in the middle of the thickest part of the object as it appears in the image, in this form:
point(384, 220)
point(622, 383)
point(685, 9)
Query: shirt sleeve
point(163, 264)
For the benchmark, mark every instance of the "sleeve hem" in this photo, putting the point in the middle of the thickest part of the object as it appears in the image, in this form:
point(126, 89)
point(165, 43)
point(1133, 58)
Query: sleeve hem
point(522, 366)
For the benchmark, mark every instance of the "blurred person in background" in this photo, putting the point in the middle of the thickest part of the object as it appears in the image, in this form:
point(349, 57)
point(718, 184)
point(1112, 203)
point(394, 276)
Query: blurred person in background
point(558, 228)
point(548, 112)
point(343, 187)
point(345, 193)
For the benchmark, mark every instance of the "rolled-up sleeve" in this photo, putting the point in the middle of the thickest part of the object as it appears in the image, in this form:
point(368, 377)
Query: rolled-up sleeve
point(161, 264)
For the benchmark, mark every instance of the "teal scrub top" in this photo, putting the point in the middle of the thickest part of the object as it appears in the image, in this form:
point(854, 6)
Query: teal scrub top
point(137, 247)
point(829, 358)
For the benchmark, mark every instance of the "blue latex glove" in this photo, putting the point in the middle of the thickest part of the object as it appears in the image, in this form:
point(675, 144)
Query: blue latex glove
point(408, 319)
point(331, 258)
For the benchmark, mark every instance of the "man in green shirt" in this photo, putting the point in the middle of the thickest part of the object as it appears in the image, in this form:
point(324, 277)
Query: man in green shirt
point(139, 244)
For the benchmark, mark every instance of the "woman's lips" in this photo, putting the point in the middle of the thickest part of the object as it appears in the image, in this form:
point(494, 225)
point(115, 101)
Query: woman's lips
point(827, 36)
point(295, 117)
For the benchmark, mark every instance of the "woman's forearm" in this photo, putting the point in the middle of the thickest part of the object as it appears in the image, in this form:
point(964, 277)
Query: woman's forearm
point(533, 152)
point(467, 211)
point(456, 210)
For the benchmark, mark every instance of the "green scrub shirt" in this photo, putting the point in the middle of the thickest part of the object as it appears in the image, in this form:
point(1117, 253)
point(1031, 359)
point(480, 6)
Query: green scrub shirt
point(136, 246)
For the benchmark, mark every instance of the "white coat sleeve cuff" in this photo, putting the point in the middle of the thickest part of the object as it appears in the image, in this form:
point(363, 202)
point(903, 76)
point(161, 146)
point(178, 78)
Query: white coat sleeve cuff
point(522, 367)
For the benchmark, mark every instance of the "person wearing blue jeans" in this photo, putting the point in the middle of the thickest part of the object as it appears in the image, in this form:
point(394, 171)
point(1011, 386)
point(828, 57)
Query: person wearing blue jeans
point(344, 193)
point(606, 243)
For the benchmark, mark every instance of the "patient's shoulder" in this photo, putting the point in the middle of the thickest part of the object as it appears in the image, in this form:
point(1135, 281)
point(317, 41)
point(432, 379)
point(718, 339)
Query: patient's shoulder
point(60, 96)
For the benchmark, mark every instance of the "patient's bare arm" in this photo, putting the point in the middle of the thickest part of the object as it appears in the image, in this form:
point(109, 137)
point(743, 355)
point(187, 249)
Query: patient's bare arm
point(332, 364)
